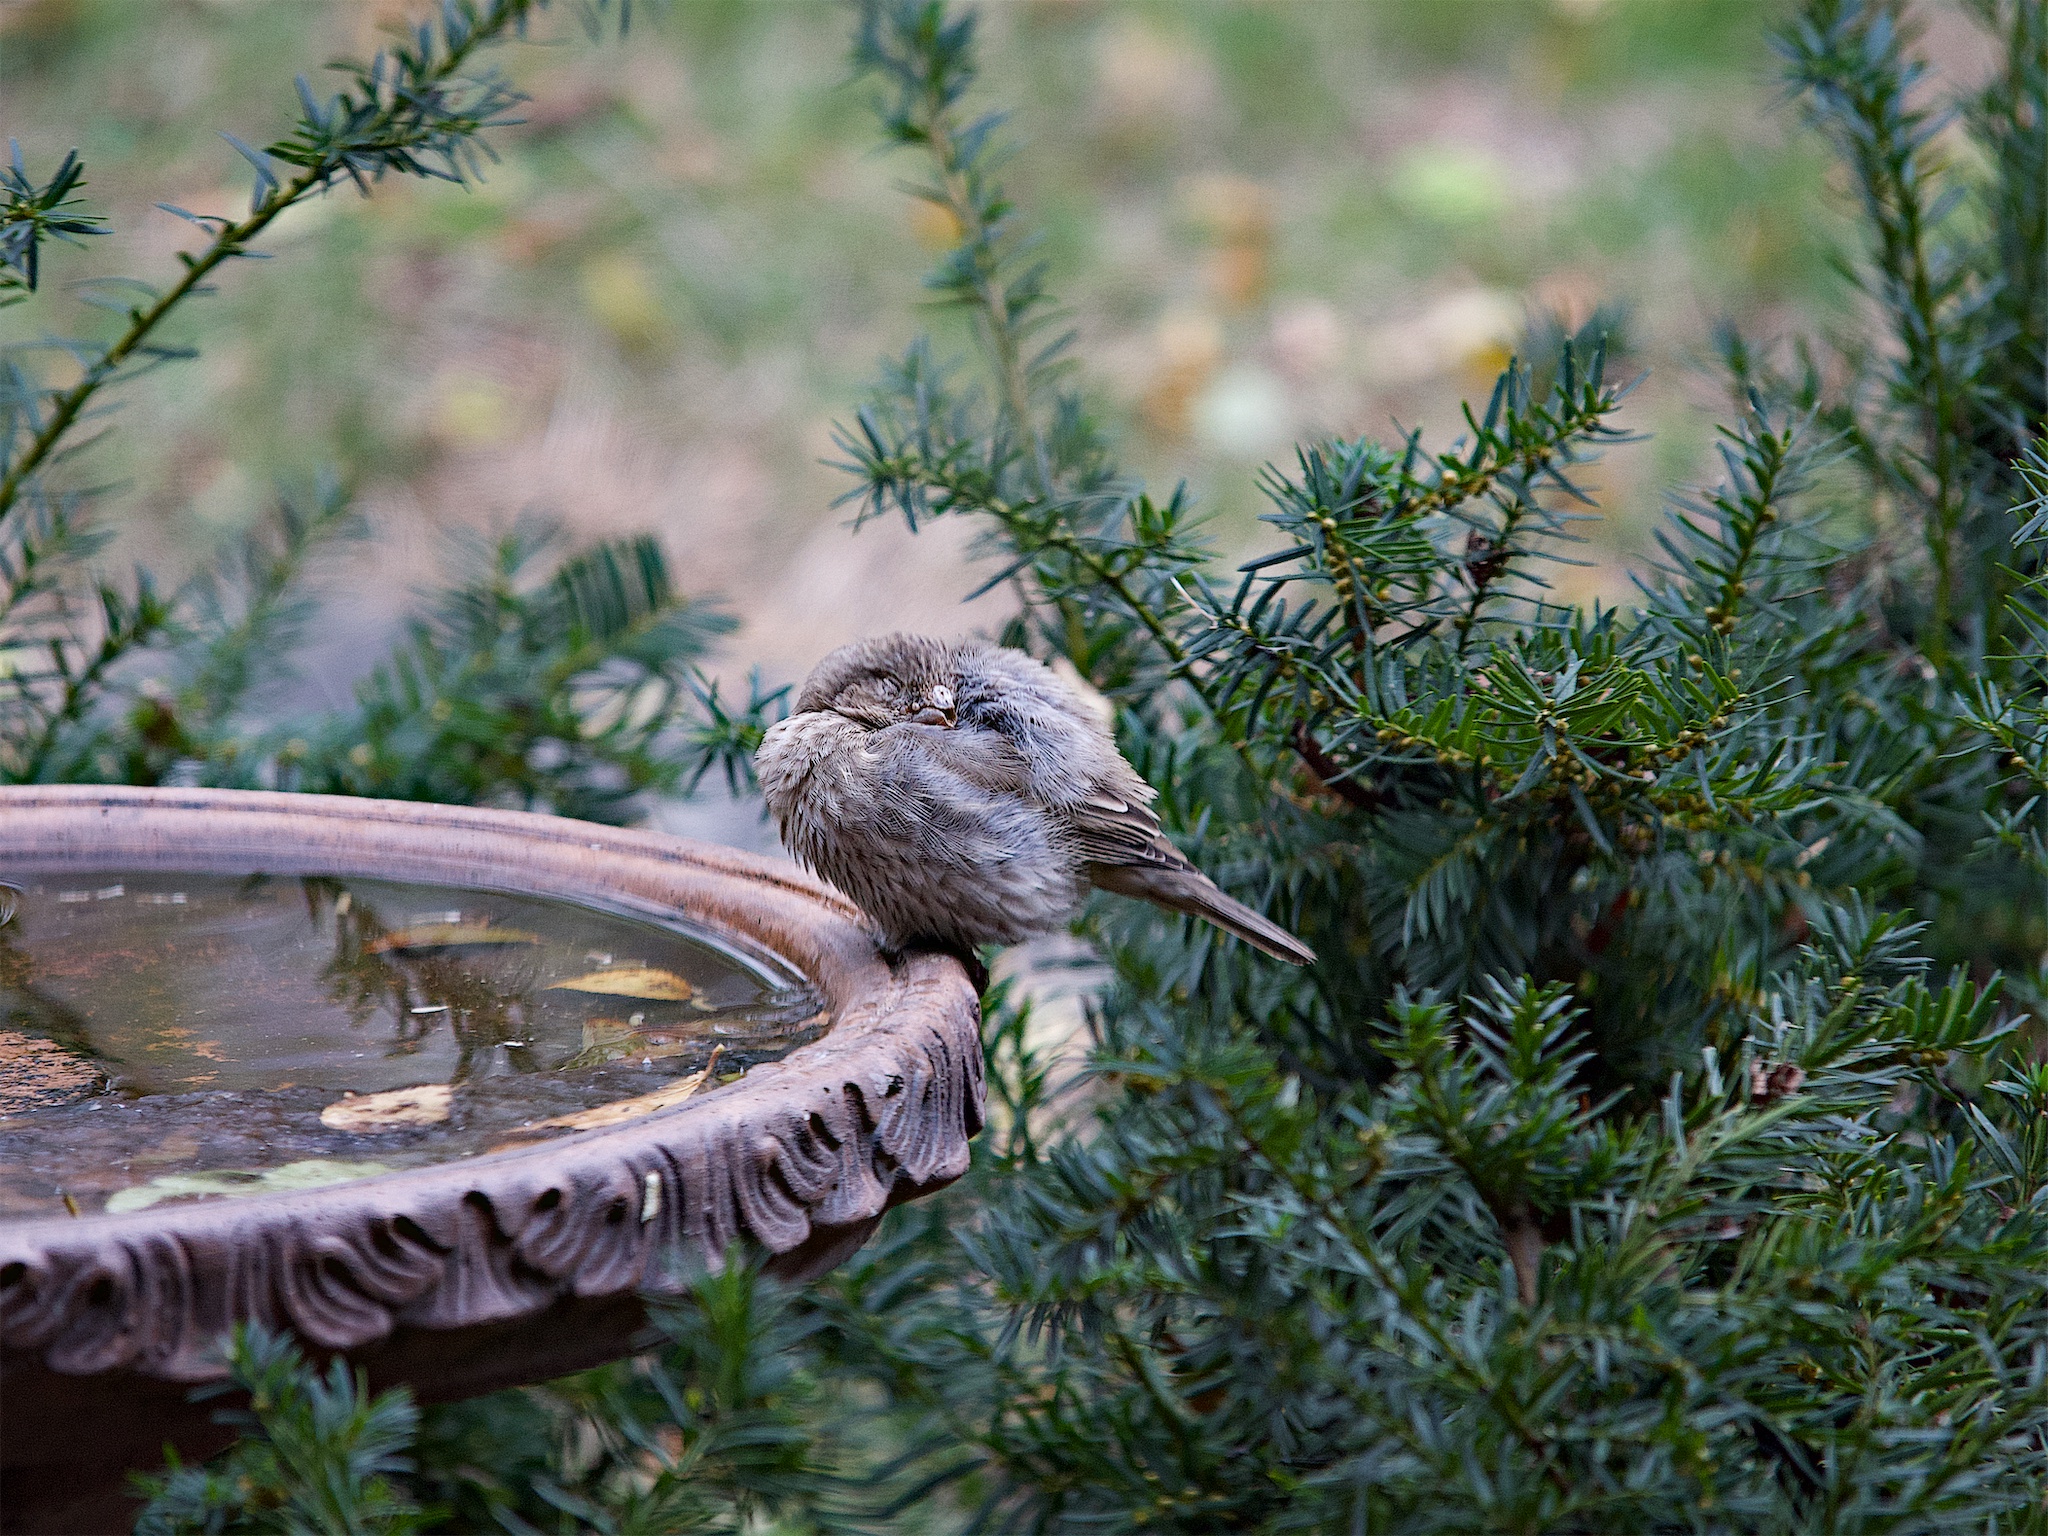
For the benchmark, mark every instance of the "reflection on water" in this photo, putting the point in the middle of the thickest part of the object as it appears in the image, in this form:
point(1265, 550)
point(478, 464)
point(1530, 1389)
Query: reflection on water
point(153, 1026)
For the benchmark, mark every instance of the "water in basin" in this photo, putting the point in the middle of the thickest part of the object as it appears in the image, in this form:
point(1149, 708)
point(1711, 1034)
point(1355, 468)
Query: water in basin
point(177, 1037)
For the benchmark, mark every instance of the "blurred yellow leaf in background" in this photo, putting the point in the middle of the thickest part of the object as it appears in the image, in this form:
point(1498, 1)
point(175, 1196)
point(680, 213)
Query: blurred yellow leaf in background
point(619, 294)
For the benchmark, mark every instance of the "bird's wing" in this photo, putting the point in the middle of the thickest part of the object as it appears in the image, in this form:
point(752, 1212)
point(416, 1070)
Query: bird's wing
point(1113, 830)
point(1074, 770)
point(1127, 853)
point(1070, 757)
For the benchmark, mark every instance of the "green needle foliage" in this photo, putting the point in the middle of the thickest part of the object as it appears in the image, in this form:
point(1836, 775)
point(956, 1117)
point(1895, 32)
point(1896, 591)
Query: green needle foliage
point(1652, 1148)
point(562, 693)
point(1659, 1145)
point(547, 678)
point(419, 108)
point(33, 214)
point(1955, 382)
point(318, 1454)
point(716, 1432)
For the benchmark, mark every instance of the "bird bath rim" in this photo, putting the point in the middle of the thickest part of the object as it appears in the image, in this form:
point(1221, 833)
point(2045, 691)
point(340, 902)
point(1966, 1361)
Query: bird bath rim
point(798, 1159)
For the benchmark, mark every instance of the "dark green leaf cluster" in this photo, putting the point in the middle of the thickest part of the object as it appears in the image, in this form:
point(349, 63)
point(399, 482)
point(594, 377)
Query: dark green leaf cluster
point(719, 1431)
point(1620, 1168)
point(560, 693)
point(543, 680)
point(32, 214)
point(715, 1432)
point(318, 1454)
point(1474, 1299)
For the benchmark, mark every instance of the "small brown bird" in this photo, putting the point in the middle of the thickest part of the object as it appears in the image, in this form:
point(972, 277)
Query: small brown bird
point(962, 794)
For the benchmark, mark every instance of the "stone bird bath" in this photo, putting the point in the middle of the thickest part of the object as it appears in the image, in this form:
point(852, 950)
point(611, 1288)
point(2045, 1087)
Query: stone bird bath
point(445, 1091)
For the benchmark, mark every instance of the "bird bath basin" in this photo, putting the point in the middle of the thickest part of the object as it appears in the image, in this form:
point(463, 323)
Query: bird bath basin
point(445, 1091)
point(181, 1036)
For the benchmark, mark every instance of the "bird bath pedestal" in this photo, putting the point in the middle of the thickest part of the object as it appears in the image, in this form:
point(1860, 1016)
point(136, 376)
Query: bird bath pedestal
point(444, 1091)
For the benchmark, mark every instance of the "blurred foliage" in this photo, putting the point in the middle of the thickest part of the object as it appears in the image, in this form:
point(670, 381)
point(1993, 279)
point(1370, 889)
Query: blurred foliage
point(570, 692)
point(570, 687)
point(685, 244)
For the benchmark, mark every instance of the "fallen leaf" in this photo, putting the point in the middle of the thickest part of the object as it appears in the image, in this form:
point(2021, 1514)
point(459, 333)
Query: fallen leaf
point(621, 1110)
point(447, 936)
point(312, 1173)
point(397, 1109)
point(643, 981)
point(603, 1040)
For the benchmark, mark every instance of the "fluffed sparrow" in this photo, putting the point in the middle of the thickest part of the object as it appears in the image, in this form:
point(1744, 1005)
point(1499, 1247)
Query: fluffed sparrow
point(962, 794)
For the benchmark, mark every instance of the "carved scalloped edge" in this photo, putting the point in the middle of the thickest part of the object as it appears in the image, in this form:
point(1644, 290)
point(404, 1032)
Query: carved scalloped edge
point(798, 1158)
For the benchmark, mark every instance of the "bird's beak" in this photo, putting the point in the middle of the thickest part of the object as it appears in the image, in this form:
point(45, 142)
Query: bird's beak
point(933, 714)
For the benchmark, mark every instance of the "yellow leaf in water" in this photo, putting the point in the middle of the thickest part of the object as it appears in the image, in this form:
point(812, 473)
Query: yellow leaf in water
point(396, 1110)
point(642, 981)
point(621, 1110)
point(312, 1173)
point(447, 936)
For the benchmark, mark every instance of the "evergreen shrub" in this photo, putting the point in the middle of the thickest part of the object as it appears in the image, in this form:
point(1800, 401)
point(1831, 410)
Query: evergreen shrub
point(1662, 1142)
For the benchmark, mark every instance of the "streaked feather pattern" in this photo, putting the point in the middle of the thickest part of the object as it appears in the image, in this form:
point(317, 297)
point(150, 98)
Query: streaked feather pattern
point(989, 829)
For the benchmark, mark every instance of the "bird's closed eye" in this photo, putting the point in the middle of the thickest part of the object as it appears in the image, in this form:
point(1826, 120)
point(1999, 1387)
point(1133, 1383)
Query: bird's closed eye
point(937, 708)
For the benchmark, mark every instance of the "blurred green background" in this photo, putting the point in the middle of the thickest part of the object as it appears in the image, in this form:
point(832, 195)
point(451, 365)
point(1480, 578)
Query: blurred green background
point(1270, 220)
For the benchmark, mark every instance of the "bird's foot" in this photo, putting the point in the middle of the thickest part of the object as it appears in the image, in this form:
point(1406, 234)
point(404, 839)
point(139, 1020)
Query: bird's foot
point(976, 971)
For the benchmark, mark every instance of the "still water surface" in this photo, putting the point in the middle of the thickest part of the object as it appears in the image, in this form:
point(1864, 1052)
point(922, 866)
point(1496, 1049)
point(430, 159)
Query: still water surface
point(170, 1036)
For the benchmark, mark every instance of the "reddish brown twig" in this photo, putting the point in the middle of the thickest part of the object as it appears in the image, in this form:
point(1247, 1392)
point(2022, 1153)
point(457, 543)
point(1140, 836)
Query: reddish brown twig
point(1331, 776)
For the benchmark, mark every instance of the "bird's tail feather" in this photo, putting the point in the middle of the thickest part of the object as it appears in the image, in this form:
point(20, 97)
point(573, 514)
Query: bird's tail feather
point(1190, 891)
